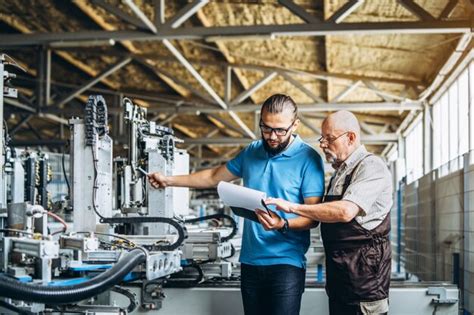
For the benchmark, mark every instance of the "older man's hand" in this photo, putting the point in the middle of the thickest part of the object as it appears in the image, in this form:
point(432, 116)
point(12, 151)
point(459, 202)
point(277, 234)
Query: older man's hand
point(281, 204)
point(273, 222)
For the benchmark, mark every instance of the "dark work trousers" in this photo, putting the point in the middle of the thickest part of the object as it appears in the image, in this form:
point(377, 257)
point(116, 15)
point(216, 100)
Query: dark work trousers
point(272, 290)
point(337, 308)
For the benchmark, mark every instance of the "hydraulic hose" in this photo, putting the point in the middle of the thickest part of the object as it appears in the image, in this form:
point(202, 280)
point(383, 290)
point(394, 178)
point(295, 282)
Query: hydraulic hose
point(15, 309)
point(14, 289)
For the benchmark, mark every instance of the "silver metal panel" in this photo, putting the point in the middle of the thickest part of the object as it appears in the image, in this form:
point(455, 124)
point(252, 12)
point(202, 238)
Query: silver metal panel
point(217, 301)
point(160, 201)
point(82, 180)
point(104, 177)
point(125, 193)
point(221, 269)
point(86, 244)
point(37, 248)
point(180, 194)
point(101, 255)
point(207, 251)
point(17, 215)
point(85, 218)
point(161, 264)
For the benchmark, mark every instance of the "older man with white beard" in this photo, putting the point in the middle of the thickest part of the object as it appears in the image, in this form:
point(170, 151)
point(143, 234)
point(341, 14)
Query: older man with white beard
point(355, 220)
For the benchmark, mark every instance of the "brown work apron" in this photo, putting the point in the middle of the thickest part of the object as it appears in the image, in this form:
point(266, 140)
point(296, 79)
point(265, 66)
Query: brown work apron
point(358, 261)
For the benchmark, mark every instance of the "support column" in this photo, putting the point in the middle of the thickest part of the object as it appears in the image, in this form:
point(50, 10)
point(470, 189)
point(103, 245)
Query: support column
point(467, 217)
point(43, 88)
point(2, 195)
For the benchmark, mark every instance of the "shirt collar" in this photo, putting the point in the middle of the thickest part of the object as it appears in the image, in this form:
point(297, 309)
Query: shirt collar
point(354, 158)
point(293, 147)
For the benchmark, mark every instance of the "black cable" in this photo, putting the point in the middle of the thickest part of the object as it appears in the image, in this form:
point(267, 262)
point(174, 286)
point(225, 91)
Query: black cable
point(65, 176)
point(5, 140)
point(5, 126)
point(130, 295)
point(143, 191)
point(232, 250)
point(111, 235)
point(218, 216)
point(13, 308)
point(95, 187)
point(182, 233)
point(178, 280)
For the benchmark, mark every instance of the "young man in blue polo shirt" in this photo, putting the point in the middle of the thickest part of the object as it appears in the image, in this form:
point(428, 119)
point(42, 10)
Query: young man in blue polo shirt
point(282, 165)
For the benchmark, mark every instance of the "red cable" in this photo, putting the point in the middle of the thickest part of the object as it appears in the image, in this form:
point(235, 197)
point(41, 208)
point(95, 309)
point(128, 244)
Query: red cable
point(59, 219)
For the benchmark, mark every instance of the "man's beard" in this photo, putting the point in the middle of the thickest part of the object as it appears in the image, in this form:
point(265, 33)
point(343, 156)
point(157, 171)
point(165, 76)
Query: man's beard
point(331, 157)
point(278, 149)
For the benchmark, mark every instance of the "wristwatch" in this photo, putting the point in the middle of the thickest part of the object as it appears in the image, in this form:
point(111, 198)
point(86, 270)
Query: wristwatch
point(285, 228)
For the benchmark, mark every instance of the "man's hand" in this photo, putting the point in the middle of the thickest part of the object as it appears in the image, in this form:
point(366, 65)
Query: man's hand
point(273, 222)
point(281, 204)
point(157, 180)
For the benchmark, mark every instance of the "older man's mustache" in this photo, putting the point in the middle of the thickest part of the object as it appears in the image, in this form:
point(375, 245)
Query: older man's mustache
point(330, 154)
point(331, 157)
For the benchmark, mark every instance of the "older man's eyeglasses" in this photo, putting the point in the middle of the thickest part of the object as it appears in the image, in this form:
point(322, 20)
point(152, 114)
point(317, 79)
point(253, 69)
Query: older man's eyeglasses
point(278, 131)
point(329, 140)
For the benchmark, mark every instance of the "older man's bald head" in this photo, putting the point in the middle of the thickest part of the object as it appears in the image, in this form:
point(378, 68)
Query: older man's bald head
point(341, 137)
point(343, 121)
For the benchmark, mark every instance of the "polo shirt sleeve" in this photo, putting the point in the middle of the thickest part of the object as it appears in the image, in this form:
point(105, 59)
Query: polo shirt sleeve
point(368, 183)
point(236, 164)
point(313, 177)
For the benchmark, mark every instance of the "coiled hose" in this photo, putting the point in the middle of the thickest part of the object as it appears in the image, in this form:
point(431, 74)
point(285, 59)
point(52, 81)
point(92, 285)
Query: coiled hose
point(12, 288)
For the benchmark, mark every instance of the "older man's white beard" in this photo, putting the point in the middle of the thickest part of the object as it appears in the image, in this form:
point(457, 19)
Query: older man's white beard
point(331, 157)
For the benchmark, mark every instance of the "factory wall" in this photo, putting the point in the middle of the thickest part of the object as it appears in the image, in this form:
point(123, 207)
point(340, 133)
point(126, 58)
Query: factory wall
point(437, 228)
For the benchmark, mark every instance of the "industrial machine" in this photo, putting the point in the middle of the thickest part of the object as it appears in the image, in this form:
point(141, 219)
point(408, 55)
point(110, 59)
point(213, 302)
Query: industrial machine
point(123, 236)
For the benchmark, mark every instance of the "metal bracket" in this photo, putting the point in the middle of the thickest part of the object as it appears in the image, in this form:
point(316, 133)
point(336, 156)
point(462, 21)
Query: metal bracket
point(152, 295)
point(10, 92)
point(442, 294)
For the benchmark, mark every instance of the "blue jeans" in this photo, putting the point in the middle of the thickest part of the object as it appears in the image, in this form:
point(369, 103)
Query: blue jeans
point(272, 290)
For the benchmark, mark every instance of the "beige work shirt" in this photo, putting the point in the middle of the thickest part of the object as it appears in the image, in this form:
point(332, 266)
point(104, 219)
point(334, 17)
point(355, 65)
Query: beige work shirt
point(371, 187)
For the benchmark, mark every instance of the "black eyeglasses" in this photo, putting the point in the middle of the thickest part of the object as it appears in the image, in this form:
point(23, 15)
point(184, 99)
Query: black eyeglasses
point(330, 140)
point(278, 131)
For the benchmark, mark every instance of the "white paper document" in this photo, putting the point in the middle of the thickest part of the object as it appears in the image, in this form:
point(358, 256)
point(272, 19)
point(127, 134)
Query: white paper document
point(241, 197)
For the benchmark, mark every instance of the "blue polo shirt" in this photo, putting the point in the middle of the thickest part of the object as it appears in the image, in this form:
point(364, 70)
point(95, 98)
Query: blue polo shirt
point(293, 175)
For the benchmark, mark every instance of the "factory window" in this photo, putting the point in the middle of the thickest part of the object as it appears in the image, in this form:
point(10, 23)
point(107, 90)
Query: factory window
point(436, 135)
point(463, 92)
point(444, 127)
point(471, 105)
point(414, 152)
point(451, 125)
point(453, 121)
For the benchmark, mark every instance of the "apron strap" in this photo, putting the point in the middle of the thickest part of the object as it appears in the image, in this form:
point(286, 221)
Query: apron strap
point(348, 179)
